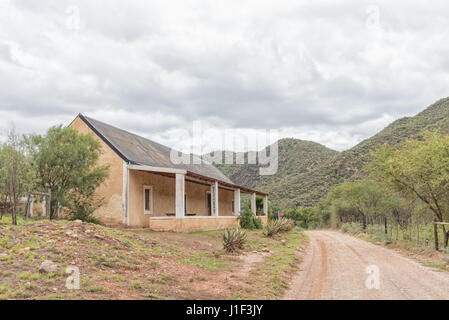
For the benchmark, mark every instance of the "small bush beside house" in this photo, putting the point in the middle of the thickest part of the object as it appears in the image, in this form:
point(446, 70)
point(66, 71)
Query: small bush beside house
point(248, 220)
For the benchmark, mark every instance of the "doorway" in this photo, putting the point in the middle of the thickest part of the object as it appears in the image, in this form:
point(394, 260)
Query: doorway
point(208, 203)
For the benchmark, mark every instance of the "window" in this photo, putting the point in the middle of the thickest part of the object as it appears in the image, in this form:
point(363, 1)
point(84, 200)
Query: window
point(233, 207)
point(185, 203)
point(148, 200)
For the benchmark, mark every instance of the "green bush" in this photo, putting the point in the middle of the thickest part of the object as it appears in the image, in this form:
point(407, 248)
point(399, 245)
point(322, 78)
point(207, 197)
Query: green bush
point(233, 239)
point(248, 220)
point(83, 208)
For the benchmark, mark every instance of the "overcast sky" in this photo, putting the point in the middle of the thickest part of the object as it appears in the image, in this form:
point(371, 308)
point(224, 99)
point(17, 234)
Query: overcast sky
point(334, 72)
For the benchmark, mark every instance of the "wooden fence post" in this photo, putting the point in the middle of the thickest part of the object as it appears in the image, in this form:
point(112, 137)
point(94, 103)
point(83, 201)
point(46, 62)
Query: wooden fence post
point(435, 230)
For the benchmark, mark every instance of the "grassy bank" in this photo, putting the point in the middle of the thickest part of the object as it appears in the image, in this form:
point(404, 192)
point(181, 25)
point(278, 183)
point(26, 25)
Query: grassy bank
point(140, 264)
point(411, 242)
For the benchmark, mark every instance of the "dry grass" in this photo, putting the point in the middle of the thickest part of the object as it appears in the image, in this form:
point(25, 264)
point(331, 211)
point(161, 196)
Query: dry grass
point(139, 264)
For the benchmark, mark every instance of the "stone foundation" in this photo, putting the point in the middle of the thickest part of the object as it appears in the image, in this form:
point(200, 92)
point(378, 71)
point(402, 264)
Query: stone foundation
point(194, 224)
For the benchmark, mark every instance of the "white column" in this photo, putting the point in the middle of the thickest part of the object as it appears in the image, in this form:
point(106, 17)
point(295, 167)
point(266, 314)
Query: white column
point(125, 193)
point(253, 203)
point(214, 195)
point(44, 207)
point(237, 202)
point(265, 205)
point(179, 194)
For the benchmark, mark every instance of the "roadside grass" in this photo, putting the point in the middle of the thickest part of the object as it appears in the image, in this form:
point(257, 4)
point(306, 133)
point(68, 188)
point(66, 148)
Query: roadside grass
point(408, 242)
point(119, 263)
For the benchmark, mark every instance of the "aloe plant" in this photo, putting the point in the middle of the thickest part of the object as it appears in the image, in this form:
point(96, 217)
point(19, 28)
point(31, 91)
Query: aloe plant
point(233, 239)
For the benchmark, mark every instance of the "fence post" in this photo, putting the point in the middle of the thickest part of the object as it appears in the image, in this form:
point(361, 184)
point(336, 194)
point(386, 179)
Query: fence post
point(435, 230)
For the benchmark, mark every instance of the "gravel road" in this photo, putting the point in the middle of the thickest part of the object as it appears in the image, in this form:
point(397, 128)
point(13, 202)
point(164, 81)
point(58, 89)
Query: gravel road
point(335, 268)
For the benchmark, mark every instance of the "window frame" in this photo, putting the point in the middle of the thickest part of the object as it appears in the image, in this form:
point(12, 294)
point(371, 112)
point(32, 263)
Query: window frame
point(150, 188)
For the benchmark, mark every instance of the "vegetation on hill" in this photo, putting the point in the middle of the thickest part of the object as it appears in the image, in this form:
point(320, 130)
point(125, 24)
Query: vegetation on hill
point(296, 158)
point(308, 171)
point(404, 189)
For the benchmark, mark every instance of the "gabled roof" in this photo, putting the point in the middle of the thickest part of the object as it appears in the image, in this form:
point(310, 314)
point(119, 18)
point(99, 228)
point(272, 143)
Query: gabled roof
point(141, 151)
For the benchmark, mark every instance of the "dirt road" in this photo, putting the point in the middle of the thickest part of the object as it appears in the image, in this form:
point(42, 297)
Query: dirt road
point(335, 267)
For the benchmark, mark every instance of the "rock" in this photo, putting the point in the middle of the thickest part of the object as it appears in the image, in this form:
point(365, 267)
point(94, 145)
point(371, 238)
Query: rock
point(48, 266)
point(266, 250)
point(283, 242)
point(78, 221)
point(3, 255)
point(264, 244)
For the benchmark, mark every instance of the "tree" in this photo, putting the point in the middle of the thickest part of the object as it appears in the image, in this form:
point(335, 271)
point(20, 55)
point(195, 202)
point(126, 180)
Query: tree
point(359, 199)
point(14, 173)
point(418, 169)
point(303, 216)
point(66, 162)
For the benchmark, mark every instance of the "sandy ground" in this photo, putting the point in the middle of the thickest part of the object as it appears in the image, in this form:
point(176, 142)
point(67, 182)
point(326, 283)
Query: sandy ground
point(335, 268)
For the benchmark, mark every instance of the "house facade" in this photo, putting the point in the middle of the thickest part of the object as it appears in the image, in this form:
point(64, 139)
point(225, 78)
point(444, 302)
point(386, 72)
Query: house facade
point(146, 190)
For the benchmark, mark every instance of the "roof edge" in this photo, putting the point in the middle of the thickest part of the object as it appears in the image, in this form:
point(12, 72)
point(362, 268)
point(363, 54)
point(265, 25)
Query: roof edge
point(102, 137)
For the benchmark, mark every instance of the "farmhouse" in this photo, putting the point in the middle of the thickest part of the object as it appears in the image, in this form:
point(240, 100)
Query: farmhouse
point(146, 190)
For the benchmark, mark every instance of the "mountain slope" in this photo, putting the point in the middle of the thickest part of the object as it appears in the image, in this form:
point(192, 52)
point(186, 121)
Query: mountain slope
point(297, 186)
point(296, 157)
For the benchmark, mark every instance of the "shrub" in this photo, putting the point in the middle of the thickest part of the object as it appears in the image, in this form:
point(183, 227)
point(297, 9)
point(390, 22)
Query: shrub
point(83, 207)
point(248, 220)
point(353, 228)
point(277, 226)
point(233, 239)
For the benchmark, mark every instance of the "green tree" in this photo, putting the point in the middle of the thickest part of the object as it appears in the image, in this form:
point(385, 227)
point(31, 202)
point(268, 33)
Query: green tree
point(360, 199)
point(248, 220)
point(66, 162)
point(419, 169)
point(14, 173)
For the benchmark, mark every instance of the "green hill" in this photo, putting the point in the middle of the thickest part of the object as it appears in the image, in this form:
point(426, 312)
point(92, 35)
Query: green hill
point(296, 158)
point(307, 170)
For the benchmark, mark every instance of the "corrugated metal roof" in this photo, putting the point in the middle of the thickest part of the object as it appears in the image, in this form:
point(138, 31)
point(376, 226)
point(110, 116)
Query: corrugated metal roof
point(138, 150)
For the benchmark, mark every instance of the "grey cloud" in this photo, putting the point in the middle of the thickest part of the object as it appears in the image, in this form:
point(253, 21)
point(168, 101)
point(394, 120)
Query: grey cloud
point(153, 67)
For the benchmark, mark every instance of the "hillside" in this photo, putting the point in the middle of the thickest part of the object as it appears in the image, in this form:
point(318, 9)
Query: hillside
point(303, 184)
point(296, 158)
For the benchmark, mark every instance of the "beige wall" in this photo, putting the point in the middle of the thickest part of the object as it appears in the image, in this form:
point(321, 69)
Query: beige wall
point(163, 196)
point(112, 189)
point(196, 198)
point(225, 198)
